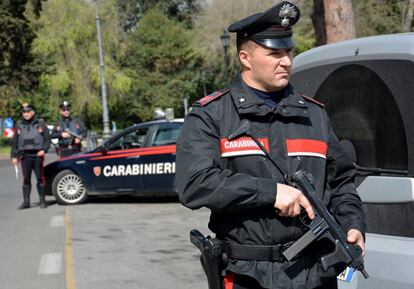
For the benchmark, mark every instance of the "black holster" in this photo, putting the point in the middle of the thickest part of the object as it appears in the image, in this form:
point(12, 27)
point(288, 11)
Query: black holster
point(212, 259)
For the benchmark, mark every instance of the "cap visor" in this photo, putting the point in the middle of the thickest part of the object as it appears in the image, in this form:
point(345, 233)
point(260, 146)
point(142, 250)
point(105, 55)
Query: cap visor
point(276, 43)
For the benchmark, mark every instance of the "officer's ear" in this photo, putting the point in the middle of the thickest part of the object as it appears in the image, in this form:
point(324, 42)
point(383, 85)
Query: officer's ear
point(246, 50)
point(244, 57)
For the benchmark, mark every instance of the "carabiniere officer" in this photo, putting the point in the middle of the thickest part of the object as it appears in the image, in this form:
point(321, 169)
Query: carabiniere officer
point(254, 210)
point(30, 143)
point(69, 131)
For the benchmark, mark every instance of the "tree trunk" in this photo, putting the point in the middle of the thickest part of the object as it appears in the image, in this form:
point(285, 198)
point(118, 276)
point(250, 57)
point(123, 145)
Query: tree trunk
point(318, 21)
point(406, 27)
point(339, 19)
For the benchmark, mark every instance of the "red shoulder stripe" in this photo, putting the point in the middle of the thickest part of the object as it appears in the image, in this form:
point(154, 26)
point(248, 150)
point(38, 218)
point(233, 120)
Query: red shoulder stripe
point(310, 99)
point(209, 98)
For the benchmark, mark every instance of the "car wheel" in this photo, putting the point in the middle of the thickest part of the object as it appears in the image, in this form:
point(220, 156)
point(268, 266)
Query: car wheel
point(68, 188)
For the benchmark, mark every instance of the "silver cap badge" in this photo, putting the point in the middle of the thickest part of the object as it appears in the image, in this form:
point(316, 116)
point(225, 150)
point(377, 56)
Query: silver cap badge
point(286, 12)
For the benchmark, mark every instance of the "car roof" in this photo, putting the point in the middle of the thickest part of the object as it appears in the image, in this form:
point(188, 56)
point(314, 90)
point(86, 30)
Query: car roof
point(159, 121)
point(391, 46)
point(145, 123)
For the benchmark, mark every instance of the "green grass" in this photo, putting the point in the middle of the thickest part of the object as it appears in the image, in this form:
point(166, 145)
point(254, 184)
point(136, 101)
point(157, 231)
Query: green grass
point(4, 151)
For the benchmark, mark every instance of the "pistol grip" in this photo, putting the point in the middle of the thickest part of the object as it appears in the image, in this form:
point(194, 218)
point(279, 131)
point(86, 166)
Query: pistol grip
point(335, 257)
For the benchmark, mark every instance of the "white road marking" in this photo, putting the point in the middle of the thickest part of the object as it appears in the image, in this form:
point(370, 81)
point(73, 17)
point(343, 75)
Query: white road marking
point(57, 221)
point(50, 263)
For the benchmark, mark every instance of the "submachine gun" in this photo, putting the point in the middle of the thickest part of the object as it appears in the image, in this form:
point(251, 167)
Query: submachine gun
point(73, 134)
point(323, 226)
point(212, 258)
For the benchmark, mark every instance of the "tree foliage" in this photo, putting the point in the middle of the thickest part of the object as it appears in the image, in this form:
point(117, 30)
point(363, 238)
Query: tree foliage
point(18, 69)
point(152, 65)
point(131, 11)
point(374, 17)
point(67, 43)
point(163, 64)
point(156, 52)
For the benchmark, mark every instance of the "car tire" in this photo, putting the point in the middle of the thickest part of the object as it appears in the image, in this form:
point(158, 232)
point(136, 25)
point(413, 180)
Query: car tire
point(68, 188)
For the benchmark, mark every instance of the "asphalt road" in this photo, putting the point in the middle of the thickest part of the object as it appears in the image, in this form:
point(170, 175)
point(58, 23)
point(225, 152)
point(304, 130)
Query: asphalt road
point(106, 243)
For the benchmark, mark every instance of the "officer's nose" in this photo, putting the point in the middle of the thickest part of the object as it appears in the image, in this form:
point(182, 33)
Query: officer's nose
point(286, 61)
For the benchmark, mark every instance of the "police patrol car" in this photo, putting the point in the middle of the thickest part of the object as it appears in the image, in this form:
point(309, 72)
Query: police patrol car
point(367, 86)
point(138, 161)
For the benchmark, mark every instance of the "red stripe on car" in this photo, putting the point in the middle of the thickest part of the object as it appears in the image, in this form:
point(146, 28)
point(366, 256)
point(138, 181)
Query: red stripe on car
point(138, 152)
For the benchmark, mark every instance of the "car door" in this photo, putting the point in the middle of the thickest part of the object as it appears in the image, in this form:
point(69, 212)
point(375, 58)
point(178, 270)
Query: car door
point(117, 168)
point(159, 164)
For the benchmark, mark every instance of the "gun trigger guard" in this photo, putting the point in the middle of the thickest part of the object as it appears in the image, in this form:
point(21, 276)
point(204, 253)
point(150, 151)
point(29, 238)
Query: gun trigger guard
point(304, 219)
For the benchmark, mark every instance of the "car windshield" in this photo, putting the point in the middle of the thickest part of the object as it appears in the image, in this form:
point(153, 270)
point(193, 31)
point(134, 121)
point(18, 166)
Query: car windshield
point(133, 139)
point(167, 135)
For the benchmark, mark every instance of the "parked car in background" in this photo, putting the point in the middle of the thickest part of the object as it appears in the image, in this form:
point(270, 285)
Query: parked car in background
point(367, 86)
point(140, 160)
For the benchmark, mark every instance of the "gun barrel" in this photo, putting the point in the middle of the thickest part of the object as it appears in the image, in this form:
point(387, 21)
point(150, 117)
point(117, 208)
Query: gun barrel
point(364, 273)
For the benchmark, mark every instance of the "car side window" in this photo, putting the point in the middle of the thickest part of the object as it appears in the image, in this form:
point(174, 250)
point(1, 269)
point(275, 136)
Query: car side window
point(131, 140)
point(167, 135)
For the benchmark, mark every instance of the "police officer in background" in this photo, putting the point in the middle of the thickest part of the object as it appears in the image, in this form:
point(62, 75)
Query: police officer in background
point(29, 145)
point(69, 131)
point(254, 211)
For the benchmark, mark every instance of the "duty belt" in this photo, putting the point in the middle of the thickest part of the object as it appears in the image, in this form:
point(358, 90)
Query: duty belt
point(256, 252)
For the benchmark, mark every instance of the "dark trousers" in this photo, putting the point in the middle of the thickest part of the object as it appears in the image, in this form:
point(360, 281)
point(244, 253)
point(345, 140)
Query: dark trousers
point(29, 164)
point(235, 281)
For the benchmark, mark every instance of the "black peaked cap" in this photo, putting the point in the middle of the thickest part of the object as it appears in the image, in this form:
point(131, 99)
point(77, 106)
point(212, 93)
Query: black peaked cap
point(271, 28)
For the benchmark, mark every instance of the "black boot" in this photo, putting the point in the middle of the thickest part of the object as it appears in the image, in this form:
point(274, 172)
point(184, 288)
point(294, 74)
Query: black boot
point(26, 197)
point(42, 200)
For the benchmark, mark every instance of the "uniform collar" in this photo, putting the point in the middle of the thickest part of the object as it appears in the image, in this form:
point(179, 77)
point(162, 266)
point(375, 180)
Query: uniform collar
point(66, 118)
point(247, 102)
point(30, 121)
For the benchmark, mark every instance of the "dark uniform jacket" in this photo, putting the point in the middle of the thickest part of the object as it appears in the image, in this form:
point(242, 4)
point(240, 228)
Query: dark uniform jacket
point(238, 183)
point(72, 124)
point(30, 137)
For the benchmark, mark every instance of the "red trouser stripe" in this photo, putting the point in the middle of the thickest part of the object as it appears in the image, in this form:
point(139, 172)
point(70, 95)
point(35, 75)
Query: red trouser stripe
point(228, 281)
